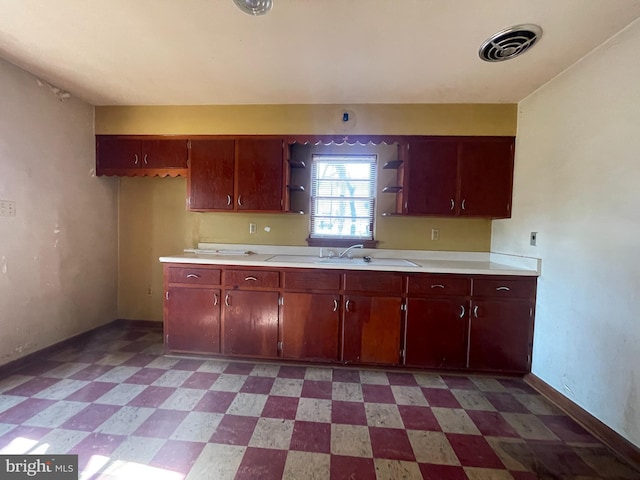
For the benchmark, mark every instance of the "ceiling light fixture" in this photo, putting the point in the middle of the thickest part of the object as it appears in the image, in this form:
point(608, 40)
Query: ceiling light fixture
point(510, 43)
point(254, 7)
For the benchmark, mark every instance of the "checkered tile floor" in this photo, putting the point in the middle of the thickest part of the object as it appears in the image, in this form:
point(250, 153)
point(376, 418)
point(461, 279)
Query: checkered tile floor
point(129, 412)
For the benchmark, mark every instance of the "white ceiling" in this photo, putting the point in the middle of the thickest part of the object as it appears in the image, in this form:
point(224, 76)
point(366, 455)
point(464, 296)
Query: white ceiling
point(196, 52)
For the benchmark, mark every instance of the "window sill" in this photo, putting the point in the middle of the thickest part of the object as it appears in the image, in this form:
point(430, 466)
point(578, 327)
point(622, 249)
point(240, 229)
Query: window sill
point(340, 242)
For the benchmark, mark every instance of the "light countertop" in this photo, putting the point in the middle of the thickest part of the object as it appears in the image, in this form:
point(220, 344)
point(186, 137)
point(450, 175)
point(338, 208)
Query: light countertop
point(469, 263)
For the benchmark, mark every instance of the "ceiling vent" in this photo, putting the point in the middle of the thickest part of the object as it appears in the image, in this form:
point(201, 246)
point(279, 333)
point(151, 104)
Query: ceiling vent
point(510, 43)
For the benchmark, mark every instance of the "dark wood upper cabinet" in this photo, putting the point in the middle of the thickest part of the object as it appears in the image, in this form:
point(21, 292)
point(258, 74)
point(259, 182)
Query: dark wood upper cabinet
point(236, 175)
point(458, 176)
point(211, 174)
point(260, 174)
point(136, 156)
point(486, 177)
point(431, 177)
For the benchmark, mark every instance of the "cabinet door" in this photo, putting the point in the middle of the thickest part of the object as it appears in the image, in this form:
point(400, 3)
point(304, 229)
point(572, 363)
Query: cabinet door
point(192, 320)
point(436, 332)
point(431, 177)
point(117, 153)
point(500, 336)
point(371, 329)
point(486, 177)
point(250, 323)
point(164, 153)
point(211, 175)
point(310, 326)
point(260, 175)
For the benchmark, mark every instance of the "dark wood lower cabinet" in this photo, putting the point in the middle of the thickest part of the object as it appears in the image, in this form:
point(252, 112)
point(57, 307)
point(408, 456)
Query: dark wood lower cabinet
point(310, 326)
point(250, 325)
point(500, 335)
point(481, 323)
point(192, 320)
point(436, 332)
point(372, 329)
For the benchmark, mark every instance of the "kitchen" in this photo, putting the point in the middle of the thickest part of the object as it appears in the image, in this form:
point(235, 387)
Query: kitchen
point(575, 157)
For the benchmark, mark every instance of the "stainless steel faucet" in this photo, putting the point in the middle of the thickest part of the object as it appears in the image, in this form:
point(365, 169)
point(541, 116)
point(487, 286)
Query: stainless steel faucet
point(348, 251)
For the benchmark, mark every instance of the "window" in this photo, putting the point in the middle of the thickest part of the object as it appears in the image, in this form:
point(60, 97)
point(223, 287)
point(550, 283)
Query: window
point(343, 196)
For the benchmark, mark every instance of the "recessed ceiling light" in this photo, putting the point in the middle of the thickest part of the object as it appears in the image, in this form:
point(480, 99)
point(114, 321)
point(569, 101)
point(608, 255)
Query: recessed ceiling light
point(254, 7)
point(510, 43)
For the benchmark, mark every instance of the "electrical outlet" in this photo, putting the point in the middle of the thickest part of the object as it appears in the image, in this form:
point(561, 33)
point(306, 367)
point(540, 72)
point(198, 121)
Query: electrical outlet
point(7, 208)
point(435, 234)
point(252, 228)
point(533, 239)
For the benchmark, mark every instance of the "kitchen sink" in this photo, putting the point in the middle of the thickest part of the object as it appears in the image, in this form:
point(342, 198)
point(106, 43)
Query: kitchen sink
point(386, 262)
point(293, 259)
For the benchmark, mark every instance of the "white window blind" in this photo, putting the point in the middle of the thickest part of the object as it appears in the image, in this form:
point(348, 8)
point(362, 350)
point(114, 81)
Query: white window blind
point(343, 196)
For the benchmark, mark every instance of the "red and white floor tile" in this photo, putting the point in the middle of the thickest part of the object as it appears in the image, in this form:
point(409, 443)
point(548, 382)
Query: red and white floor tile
point(131, 413)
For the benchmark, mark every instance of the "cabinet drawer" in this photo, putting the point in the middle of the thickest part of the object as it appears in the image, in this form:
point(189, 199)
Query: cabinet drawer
point(316, 280)
point(510, 287)
point(374, 282)
point(195, 276)
point(252, 278)
point(429, 285)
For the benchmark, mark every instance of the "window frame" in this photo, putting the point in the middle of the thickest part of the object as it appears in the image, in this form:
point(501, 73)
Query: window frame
point(315, 239)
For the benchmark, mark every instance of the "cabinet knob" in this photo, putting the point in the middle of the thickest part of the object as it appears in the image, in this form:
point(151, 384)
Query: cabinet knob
point(462, 311)
point(347, 304)
point(453, 204)
point(193, 275)
point(135, 162)
point(227, 300)
point(437, 286)
point(239, 200)
point(228, 200)
point(475, 311)
point(145, 159)
point(464, 200)
point(215, 299)
point(335, 305)
point(503, 288)
point(250, 278)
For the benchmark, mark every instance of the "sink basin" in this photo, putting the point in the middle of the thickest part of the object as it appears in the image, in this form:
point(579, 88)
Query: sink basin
point(293, 259)
point(387, 262)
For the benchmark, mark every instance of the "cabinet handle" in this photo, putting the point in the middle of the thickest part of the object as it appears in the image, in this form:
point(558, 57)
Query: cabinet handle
point(453, 204)
point(136, 159)
point(215, 299)
point(193, 275)
point(239, 200)
point(437, 286)
point(475, 311)
point(226, 300)
point(462, 311)
point(503, 288)
point(346, 305)
point(464, 200)
point(250, 278)
point(145, 159)
point(335, 305)
point(228, 200)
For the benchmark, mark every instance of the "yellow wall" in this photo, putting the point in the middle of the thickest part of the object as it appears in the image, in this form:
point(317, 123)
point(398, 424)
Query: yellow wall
point(154, 222)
